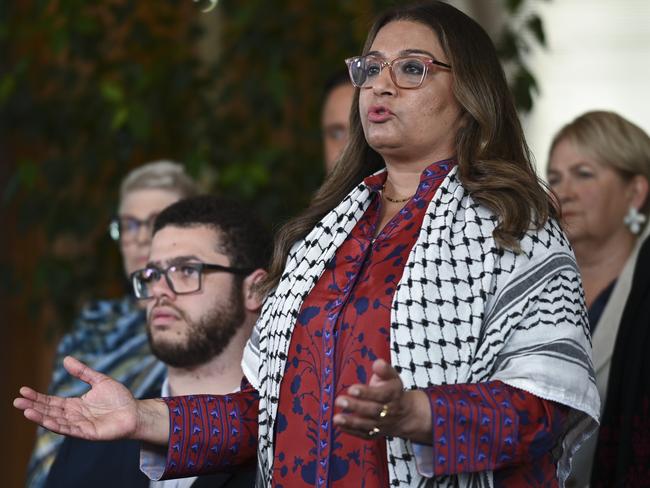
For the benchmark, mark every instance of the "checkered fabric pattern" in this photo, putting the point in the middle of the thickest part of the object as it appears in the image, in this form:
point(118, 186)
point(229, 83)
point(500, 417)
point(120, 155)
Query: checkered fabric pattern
point(465, 311)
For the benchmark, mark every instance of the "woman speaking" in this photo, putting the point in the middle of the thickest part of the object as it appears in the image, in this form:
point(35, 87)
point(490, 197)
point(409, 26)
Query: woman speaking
point(424, 324)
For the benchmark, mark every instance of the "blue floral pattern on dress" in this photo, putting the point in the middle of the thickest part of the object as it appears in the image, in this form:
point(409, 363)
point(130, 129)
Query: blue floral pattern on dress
point(342, 328)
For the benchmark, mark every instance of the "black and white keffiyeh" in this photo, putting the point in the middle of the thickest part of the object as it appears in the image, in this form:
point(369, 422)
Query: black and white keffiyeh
point(465, 311)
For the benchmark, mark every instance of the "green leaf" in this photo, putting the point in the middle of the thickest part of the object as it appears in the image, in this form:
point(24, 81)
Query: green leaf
point(513, 5)
point(120, 117)
point(508, 47)
point(139, 121)
point(111, 92)
point(535, 25)
point(523, 88)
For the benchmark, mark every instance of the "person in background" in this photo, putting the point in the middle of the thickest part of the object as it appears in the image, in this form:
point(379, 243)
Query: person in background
point(207, 254)
point(110, 334)
point(335, 118)
point(599, 168)
point(424, 324)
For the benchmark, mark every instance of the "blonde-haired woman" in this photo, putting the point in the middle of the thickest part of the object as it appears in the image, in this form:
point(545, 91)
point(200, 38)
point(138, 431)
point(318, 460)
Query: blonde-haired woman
point(599, 168)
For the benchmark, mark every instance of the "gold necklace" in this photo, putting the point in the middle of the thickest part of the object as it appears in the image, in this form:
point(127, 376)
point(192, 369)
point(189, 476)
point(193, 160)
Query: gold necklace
point(393, 200)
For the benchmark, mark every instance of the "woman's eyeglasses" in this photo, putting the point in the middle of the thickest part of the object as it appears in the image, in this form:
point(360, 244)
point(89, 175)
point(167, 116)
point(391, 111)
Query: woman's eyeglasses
point(406, 71)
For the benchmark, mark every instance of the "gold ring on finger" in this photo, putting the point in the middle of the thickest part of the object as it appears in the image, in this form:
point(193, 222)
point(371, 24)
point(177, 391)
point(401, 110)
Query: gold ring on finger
point(373, 432)
point(384, 411)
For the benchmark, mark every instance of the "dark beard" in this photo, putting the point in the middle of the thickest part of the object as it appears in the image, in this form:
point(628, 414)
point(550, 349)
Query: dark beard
point(207, 337)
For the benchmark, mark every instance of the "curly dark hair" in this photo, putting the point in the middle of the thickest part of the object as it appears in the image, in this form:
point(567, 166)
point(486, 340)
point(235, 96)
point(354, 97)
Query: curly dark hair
point(243, 237)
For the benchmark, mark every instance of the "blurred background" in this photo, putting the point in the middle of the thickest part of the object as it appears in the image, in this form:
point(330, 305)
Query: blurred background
point(89, 90)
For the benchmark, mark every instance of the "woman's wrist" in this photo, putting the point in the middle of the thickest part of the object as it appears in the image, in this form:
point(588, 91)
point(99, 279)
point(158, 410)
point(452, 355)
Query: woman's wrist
point(416, 424)
point(152, 421)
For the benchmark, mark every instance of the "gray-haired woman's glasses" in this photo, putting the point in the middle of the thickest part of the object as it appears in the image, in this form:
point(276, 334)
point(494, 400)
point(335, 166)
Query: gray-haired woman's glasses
point(127, 228)
point(406, 71)
point(181, 278)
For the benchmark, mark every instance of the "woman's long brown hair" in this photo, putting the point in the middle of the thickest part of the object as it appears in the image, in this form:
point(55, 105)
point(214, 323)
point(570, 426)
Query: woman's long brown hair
point(493, 158)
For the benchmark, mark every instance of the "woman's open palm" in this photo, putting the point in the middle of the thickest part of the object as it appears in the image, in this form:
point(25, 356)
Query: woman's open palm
point(108, 411)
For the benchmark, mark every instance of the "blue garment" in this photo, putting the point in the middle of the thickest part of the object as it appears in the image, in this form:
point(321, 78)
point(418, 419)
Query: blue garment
point(109, 336)
point(598, 306)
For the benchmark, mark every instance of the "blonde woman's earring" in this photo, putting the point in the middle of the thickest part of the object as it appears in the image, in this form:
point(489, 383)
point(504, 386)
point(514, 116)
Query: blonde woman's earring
point(634, 220)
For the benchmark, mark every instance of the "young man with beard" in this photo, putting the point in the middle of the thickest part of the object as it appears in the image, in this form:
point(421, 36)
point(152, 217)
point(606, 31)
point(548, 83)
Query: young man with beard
point(206, 256)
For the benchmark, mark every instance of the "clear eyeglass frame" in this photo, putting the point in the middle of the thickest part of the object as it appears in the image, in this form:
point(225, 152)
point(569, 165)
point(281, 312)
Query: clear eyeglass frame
point(358, 70)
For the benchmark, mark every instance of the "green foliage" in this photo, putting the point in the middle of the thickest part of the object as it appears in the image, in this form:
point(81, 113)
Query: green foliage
point(275, 58)
point(513, 46)
point(92, 89)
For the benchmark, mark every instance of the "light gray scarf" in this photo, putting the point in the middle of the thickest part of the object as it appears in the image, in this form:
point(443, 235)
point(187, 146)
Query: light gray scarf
point(514, 317)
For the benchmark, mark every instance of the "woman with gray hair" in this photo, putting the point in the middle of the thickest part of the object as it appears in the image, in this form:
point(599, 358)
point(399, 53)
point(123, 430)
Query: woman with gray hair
point(599, 168)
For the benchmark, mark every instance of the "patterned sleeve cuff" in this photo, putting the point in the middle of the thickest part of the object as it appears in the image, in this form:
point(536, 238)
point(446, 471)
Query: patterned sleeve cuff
point(208, 433)
point(474, 428)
